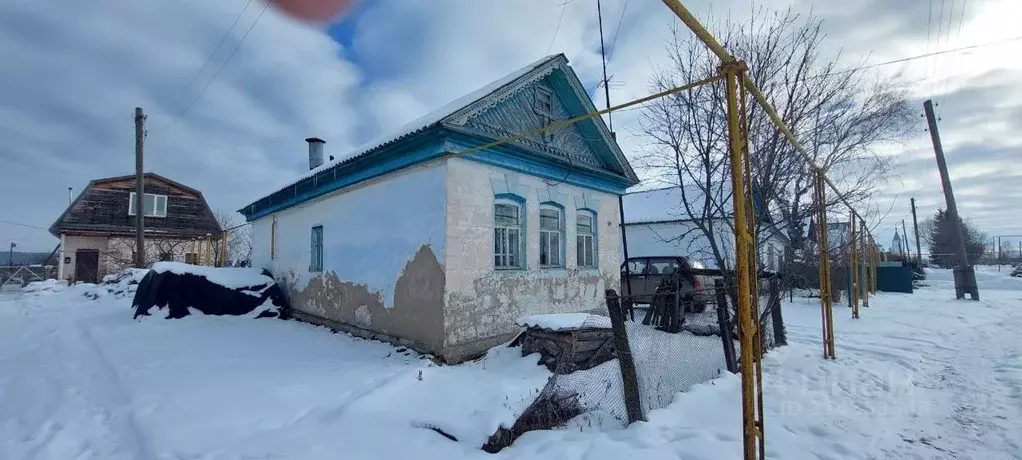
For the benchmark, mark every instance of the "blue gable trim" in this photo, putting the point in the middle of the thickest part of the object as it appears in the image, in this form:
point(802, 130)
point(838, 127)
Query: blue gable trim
point(518, 159)
point(423, 147)
point(430, 145)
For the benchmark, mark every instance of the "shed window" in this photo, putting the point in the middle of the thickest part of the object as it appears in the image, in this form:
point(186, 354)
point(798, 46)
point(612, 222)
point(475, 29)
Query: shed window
point(507, 236)
point(316, 264)
point(154, 205)
point(550, 239)
point(585, 243)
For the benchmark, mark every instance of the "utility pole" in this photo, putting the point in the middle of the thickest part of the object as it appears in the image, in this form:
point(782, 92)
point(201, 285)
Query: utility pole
point(965, 276)
point(139, 190)
point(1000, 254)
point(915, 226)
point(10, 261)
point(904, 243)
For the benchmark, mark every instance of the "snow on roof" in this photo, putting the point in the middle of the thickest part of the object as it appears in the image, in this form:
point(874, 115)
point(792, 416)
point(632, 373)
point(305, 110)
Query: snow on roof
point(423, 122)
point(662, 204)
point(565, 321)
point(231, 278)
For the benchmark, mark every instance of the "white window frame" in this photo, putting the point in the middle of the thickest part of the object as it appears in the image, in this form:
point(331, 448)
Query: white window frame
point(586, 240)
point(508, 238)
point(158, 210)
point(316, 249)
point(551, 240)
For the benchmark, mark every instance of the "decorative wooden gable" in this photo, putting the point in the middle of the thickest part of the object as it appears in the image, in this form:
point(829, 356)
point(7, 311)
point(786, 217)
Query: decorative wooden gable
point(531, 107)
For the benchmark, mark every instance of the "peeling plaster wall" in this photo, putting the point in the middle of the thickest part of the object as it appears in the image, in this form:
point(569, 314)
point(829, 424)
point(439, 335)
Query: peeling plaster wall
point(482, 304)
point(383, 256)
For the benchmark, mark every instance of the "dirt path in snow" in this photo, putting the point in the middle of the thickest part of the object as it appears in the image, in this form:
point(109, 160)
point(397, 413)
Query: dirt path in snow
point(924, 377)
point(70, 402)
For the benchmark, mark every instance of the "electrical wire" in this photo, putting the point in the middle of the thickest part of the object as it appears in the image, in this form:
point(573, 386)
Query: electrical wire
point(896, 61)
point(557, 30)
point(947, 40)
point(209, 58)
point(936, 61)
point(958, 37)
point(224, 64)
point(617, 31)
point(19, 224)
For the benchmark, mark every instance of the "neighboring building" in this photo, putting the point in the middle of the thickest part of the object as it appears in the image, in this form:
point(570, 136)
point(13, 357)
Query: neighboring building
point(658, 223)
point(839, 237)
point(97, 231)
point(896, 245)
point(415, 242)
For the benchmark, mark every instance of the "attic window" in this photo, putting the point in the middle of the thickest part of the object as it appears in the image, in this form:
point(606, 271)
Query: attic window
point(154, 205)
point(544, 106)
point(544, 102)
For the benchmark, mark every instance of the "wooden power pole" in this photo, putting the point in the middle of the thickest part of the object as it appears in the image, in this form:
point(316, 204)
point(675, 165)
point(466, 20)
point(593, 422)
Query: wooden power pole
point(965, 276)
point(915, 226)
point(139, 190)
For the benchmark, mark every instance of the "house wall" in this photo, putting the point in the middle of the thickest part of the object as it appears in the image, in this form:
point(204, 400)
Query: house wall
point(72, 243)
point(115, 252)
point(120, 251)
point(685, 239)
point(383, 256)
point(482, 303)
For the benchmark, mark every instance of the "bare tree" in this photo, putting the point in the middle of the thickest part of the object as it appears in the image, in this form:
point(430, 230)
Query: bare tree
point(120, 252)
point(239, 238)
point(841, 117)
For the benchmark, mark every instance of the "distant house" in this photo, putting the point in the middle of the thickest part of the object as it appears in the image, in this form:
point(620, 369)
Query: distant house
point(411, 240)
point(657, 223)
point(839, 237)
point(97, 231)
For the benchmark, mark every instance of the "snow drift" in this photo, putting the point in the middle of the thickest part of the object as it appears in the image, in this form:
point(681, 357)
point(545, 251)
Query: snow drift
point(184, 288)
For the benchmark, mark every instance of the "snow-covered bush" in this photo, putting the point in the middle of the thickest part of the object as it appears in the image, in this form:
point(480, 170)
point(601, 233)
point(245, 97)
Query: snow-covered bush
point(119, 285)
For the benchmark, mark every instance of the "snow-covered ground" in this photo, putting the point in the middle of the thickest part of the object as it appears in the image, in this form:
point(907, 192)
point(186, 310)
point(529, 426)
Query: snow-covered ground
point(918, 376)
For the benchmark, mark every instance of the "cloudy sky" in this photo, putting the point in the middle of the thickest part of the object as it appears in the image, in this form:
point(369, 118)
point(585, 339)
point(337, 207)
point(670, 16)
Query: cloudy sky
point(73, 72)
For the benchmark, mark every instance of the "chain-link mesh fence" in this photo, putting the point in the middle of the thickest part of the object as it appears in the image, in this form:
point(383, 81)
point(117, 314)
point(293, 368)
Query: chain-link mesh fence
point(609, 371)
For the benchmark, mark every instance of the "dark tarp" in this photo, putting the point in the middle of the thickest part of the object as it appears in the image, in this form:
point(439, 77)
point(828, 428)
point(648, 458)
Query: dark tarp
point(178, 292)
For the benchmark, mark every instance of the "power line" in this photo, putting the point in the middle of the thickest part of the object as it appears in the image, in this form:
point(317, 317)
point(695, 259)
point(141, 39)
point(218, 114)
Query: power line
point(557, 30)
point(898, 61)
point(224, 64)
point(940, 31)
point(22, 225)
point(958, 37)
point(209, 58)
point(921, 56)
point(617, 31)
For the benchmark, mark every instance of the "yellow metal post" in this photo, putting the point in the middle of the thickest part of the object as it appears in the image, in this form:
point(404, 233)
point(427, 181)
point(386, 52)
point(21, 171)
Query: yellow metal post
point(753, 446)
point(753, 257)
point(826, 300)
point(853, 267)
point(223, 249)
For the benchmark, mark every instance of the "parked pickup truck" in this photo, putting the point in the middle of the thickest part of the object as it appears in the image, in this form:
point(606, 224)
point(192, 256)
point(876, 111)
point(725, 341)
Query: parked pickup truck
point(645, 274)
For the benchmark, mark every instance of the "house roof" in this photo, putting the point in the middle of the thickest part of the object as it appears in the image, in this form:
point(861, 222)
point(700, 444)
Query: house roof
point(99, 214)
point(458, 108)
point(667, 204)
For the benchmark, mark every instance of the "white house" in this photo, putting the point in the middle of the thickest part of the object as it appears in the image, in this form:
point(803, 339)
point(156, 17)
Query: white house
point(413, 241)
point(657, 223)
